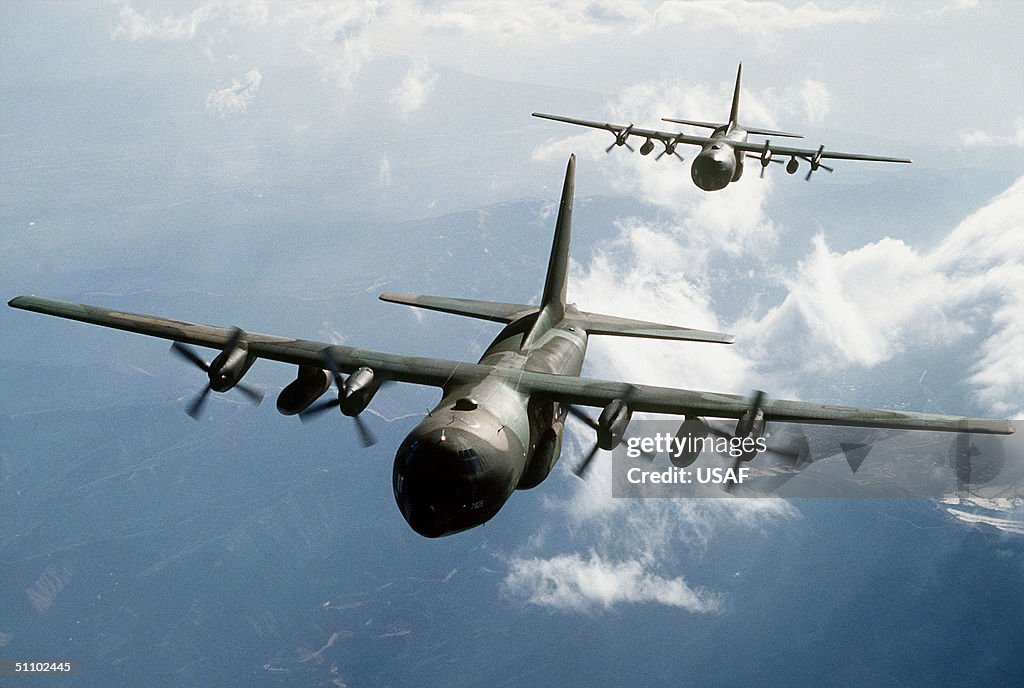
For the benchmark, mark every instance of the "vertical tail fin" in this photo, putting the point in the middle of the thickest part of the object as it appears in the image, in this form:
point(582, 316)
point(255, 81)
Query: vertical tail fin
point(734, 114)
point(553, 299)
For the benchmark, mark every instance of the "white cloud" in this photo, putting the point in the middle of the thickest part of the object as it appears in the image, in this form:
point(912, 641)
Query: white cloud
point(816, 100)
point(416, 87)
point(867, 305)
point(759, 17)
point(525, 19)
point(952, 6)
point(162, 24)
point(571, 583)
point(341, 38)
point(978, 138)
point(235, 98)
point(661, 280)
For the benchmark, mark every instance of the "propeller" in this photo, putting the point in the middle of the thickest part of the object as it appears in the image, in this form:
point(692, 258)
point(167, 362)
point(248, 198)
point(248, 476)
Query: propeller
point(224, 371)
point(816, 163)
point(766, 157)
point(345, 392)
point(670, 148)
point(745, 426)
point(609, 429)
point(621, 137)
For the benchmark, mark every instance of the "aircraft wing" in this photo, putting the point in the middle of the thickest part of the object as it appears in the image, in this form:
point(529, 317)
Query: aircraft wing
point(674, 401)
point(414, 369)
point(667, 137)
point(808, 153)
point(563, 388)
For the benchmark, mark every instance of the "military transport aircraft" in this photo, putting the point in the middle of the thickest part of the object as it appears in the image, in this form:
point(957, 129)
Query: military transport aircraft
point(499, 424)
point(720, 160)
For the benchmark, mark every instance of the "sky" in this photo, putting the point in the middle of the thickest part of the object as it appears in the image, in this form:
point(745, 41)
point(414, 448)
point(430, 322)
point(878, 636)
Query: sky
point(237, 160)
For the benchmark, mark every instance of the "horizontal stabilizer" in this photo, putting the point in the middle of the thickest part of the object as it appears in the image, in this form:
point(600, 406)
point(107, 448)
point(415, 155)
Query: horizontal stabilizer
point(494, 311)
point(769, 132)
point(693, 123)
point(594, 323)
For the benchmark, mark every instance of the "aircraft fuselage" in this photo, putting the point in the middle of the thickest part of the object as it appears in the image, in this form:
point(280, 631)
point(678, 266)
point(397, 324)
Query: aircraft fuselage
point(718, 163)
point(484, 440)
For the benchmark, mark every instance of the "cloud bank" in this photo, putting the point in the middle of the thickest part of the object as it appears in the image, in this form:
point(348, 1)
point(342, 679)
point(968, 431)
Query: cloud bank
point(571, 583)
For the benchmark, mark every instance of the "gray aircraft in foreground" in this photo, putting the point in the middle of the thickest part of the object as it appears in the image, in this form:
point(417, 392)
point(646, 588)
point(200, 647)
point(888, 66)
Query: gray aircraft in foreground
point(499, 424)
point(720, 160)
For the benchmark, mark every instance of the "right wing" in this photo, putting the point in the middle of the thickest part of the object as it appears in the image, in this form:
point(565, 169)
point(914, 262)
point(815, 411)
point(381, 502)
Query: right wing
point(667, 137)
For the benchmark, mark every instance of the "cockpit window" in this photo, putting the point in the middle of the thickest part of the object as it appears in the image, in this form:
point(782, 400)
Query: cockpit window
point(470, 463)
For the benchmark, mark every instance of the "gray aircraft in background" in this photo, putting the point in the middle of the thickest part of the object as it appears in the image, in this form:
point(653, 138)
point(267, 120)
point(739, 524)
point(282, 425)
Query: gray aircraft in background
point(500, 422)
point(720, 160)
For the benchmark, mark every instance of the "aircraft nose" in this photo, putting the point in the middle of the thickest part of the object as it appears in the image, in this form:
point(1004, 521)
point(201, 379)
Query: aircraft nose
point(711, 171)
point(439, 484)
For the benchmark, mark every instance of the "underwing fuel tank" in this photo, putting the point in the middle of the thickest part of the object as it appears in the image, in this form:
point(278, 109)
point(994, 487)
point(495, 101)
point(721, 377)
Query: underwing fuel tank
point(307, 387)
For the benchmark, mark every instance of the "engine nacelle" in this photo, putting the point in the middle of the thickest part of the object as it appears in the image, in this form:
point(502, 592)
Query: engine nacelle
point(307, 387)
point(691, 436)
point(612, 424)
point(228, 368)
point(359, 390)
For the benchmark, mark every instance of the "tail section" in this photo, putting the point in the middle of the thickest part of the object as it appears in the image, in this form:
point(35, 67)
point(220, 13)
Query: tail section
point(553, 299)
point(552, 306)
point(734, 113)
point(553, 309)
point(734, 116)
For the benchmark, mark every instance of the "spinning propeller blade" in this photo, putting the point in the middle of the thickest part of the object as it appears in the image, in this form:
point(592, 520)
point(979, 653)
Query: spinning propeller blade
point(366, 437)
point(225, 379)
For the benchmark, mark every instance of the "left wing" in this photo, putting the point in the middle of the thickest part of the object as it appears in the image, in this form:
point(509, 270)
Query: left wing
point(669, 400)
point(563, 388)
point(809, 153)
